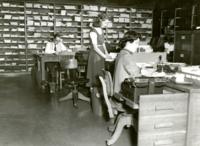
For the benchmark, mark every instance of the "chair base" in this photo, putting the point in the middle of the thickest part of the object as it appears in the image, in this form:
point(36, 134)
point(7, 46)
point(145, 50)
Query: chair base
point(75, 95)
point(122, 121)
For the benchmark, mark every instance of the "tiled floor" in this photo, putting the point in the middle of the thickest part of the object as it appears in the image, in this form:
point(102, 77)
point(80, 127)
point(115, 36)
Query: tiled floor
point(27, 118)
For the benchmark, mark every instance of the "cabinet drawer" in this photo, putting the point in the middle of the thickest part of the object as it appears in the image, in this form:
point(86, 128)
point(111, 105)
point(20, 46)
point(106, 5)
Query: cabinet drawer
point(162, 124)
point(163, 104)
point(175, 139)
point(182, 56)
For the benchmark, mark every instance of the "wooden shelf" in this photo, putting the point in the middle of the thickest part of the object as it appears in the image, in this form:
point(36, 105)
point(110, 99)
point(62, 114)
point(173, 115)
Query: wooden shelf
point(80, 16)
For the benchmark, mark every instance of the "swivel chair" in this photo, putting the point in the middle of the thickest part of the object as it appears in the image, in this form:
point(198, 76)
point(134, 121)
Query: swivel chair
point(114, 108)
point(70, 67)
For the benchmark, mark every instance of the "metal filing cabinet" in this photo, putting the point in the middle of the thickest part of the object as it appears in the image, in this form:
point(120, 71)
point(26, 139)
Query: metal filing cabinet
point(187, 47)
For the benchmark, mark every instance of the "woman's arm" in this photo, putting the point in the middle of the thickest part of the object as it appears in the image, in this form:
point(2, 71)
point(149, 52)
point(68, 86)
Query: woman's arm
point(105, 49)
point(48, 48)
point(93, 37)
point(130, 67)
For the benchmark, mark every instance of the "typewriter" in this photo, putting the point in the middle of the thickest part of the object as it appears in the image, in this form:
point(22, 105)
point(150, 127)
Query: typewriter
point(132, 88)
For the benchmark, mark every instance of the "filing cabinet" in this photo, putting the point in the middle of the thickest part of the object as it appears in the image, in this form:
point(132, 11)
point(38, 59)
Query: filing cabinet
point(187, 47)
point(163, 119)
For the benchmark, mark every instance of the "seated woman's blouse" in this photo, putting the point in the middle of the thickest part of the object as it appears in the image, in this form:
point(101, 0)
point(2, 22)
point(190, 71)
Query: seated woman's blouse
point(124, 68)
point(51, 47)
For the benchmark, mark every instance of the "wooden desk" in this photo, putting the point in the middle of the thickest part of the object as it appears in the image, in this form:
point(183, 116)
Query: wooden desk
point(42, 59)
point(169, 119)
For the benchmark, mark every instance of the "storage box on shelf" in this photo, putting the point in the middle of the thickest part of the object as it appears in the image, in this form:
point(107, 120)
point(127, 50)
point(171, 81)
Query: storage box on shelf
point(12, 41)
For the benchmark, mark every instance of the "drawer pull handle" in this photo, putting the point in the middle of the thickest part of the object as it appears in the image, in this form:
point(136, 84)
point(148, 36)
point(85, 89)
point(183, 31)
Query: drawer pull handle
point(164, 108)
point(181, 55)
point(163, 125)
point(163, 142)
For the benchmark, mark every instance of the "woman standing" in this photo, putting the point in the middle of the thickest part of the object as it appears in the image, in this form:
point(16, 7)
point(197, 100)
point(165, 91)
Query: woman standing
point(98, 52)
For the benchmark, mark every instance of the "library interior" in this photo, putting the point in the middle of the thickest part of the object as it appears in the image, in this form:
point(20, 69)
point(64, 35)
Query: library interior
point(99, 73)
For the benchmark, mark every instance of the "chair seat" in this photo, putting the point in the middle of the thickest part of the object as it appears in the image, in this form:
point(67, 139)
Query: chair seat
point(118, 106)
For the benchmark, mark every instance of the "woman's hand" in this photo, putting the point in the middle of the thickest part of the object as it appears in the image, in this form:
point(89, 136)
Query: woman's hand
point(108, 56)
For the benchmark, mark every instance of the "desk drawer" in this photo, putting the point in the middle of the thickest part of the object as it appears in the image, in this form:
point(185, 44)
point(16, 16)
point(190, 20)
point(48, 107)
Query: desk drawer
point(174, 139)
point(163, 104)
point(161, 124)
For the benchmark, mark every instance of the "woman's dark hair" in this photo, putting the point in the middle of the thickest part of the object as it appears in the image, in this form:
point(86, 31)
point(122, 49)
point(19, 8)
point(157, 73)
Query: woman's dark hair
point(99, 19)
point(129, 36)
point(56, 35)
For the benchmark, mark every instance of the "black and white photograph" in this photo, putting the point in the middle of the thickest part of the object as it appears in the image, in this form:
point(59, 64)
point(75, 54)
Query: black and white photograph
point(99, 73)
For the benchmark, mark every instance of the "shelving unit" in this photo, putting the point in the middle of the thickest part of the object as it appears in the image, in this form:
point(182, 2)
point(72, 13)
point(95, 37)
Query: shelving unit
point(39, 27)
point(12, 42)
point(195, 16)
point(183, 18)
point(25, 27)
point(141, 21)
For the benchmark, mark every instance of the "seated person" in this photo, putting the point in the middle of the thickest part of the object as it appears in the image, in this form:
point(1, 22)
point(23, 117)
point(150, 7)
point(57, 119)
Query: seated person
point(123, 67)
point(169, 48)
point(56, 46)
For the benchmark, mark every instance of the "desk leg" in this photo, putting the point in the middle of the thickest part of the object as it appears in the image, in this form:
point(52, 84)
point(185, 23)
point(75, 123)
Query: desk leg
point(43, 70)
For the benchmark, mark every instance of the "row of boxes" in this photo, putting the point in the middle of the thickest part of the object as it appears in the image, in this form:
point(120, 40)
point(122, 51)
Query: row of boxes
point(6, 4)
point(12, 12)
point(42, 23)
point(31, 5)
point(11, 46)
point(121, 20)
point(89, 7)
point(39, 13)
point(47, 18)
point(19, 29)
point(8, 16)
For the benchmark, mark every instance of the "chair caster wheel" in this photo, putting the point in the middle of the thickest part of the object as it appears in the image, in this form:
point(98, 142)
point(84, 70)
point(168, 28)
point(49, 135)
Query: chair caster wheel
point(76, 105)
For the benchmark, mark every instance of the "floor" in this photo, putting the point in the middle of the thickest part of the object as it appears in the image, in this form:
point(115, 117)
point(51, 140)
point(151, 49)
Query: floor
point(27, 118)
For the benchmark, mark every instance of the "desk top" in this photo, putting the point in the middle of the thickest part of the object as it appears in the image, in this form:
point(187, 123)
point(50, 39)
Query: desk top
point(55, 55)
point(180, 87)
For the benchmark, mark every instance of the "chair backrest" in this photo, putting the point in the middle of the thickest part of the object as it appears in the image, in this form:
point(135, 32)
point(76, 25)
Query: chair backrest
point(109, 83)
point(106, 82)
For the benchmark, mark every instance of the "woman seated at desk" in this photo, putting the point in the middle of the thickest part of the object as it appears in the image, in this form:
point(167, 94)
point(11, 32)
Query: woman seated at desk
point(56, 46)
point(124, 68)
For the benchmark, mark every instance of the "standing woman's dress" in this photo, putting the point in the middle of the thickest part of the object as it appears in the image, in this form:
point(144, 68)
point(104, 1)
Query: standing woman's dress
point(95, 62)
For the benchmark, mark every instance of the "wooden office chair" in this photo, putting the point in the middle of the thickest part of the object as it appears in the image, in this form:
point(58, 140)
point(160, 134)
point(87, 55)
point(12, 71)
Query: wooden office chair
point(70, 67)
point(123, 119)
